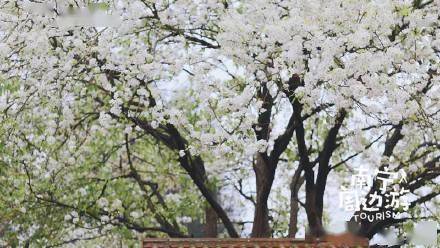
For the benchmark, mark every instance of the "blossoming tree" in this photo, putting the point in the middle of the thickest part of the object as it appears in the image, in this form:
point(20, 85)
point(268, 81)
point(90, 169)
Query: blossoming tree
point(125, 126)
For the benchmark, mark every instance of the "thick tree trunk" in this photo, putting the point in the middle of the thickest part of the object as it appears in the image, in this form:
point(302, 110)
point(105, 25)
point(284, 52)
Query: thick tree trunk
point(210, 228)
point(315, 221)
point(264, 169)
point(324, 161)
point(295, 185)
point(211, 223)
point(264, 178)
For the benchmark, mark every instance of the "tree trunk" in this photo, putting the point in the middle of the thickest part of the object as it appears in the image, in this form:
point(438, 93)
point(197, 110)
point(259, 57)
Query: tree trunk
point(264, 173)
point(210, 228)
point(211, 223)
point(315, 222)
point(295, 185)
point(324, 161)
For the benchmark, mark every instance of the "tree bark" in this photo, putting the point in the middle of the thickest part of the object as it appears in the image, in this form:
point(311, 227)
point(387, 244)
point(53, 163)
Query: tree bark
point(210, 227)
point(265, 174)
point(263, 167)
point(211, 223)
point(315, 224)
point(295, 185)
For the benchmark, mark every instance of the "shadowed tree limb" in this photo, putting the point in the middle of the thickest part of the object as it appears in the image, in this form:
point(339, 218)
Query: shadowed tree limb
point(193, 165)
point(141, 183)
